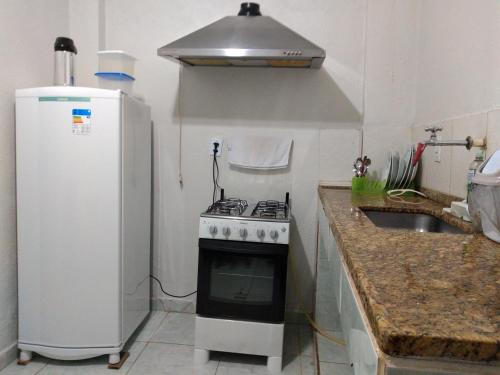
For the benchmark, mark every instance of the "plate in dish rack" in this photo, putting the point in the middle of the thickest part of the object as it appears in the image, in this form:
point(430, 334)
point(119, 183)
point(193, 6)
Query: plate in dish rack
point(394, 168)
point(386, 172)
point(406, 168)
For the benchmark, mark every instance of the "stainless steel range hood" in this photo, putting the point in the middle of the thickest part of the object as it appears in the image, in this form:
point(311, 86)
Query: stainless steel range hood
point(248, 39)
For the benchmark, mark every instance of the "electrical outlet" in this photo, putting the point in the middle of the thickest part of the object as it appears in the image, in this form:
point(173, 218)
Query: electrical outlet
point(218, 140)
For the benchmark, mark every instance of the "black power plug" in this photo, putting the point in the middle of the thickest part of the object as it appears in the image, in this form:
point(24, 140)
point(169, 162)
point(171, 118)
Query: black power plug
point(216, 148)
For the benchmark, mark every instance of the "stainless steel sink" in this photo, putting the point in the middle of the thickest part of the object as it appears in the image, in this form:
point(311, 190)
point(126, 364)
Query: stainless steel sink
point(410, 221)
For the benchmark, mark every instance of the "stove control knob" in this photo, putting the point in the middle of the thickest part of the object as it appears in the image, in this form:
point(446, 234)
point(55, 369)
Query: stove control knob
point(283, 229)
point(274, 234)
point(212, 229)
point(226, 231)
point(261, 233)
point(243, 232)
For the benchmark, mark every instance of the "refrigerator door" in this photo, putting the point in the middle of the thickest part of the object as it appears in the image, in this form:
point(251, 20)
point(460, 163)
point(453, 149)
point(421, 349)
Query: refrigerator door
point(68, 197)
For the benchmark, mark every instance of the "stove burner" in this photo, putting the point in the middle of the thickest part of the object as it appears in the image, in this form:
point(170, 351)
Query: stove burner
point(228, 207)
point(271, 209)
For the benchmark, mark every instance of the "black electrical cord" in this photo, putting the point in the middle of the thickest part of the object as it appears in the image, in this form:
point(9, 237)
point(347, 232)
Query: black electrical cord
point(213, 179)
point(217, 178)
point(215, 173)
point(169, 294)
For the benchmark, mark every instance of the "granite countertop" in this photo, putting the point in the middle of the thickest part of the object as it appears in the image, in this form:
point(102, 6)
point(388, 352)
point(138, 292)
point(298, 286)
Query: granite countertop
point(425, 294)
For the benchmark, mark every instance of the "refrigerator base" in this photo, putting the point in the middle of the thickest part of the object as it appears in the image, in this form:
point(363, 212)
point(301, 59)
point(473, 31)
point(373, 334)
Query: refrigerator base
point(69, 354)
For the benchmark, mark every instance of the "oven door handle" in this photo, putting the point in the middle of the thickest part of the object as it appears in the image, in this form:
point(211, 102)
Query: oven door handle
point(241, 247)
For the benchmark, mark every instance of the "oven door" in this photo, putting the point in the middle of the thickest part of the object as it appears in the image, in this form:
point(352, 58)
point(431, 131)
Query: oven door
point(242, 280)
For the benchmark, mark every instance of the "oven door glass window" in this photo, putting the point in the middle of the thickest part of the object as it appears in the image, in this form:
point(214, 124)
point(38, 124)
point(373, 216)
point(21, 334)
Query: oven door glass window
point(242, 280)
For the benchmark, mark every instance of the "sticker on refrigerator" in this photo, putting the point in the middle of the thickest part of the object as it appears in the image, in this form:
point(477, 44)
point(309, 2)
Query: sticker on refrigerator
point(81, 121)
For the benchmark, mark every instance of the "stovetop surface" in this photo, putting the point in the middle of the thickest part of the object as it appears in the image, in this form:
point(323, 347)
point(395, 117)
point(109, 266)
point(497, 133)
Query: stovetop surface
point(268, 210)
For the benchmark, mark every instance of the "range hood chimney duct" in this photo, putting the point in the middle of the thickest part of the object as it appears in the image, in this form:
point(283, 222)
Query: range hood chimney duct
point(249, 9)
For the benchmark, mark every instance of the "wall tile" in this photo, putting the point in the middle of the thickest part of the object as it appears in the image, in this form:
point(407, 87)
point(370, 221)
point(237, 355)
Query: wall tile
point(149, 327)
point(474, 126)
point(379, 141)
point(176, 328)
point(435, 175)
point(493, 132)
point(458, 55)
point(338, 149)
point(450, 176)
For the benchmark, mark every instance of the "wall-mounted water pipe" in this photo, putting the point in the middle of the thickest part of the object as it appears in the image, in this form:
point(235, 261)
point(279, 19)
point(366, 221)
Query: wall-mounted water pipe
point(469, 142)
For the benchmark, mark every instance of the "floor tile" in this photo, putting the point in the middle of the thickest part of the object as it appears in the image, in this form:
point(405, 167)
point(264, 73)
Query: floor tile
point(327, 368)
point(329, 351)
point(176, 328)
point(150, 326)
point(92, 366)
point(32, 368)
point(170, 359)
point(241, 364)
point(184, 305)
point(308, 365)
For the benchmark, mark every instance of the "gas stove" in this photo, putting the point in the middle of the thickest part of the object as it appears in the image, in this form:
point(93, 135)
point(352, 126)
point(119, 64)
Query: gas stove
point(242, 268)
point(235, 219)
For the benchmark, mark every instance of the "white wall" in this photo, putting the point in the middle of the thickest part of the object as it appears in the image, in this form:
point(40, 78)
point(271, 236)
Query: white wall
point(319, 109)
point(86, 28)
point(459, 58)
point(27, 33)
point(458, 85)
point(390, 78)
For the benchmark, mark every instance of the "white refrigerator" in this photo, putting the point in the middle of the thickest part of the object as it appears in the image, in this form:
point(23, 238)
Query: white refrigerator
point(83, 220)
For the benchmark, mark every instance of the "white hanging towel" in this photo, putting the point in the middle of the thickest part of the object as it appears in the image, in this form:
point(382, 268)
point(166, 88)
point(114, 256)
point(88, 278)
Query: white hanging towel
point(259, 152)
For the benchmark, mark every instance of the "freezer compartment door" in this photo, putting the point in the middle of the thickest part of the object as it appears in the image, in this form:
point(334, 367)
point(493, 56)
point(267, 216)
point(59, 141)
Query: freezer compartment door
point(68, 199)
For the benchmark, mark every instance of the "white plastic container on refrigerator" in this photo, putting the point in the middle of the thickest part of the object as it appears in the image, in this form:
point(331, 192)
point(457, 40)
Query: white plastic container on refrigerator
point(83, 219)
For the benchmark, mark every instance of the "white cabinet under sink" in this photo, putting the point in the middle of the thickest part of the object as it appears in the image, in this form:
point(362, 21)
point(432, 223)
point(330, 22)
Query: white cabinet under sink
point(359, 345)
point(360, 348)
point(328, 281)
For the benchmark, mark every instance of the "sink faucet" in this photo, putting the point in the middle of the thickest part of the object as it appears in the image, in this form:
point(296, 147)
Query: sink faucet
point(469, 142)
point(433, 140)
point(433, 130)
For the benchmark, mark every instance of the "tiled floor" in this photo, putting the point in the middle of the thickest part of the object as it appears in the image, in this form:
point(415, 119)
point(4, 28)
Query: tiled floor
point(164, 346)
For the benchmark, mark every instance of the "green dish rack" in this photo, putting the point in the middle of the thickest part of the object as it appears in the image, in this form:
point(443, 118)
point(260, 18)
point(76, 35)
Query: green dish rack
point(365, 185)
